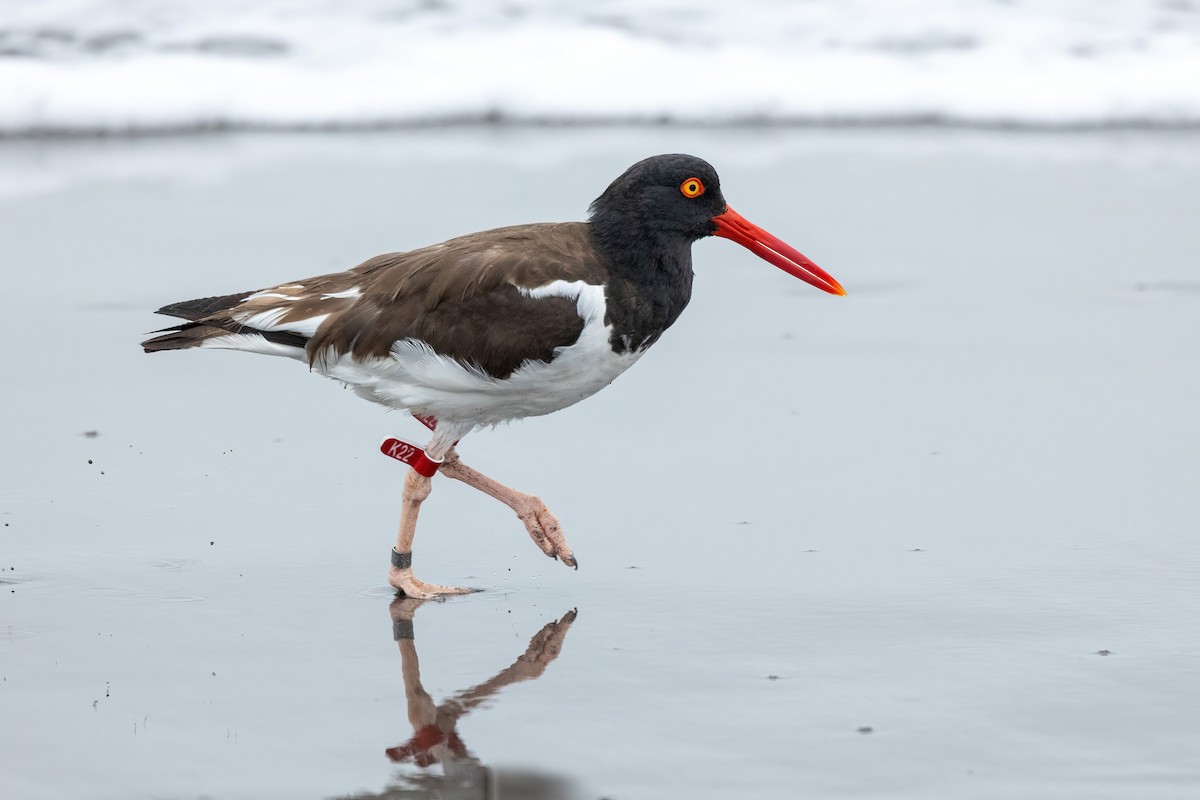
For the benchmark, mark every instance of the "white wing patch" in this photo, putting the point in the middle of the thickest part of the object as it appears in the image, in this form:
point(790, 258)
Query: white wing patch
point(589, 298)
point(271, 294)
point(269, 320)
point(352, 292)
point(253, 343)
point(266, 312)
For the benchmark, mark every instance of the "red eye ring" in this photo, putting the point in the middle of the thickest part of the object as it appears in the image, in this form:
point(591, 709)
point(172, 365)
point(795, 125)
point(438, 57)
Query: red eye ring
point(692, 187)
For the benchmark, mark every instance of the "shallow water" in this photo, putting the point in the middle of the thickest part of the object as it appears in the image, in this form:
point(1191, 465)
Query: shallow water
point(870, 546)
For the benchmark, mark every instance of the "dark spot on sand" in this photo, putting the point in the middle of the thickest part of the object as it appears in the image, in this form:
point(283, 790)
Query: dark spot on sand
point(916, 550)
point(1104, 652)
point(89, 461)
point(772, 677)
point(865, 729)
point(91, 434)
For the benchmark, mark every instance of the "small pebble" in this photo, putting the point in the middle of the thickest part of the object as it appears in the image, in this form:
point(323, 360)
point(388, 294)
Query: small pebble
point(866, 729)
point(1104, 652)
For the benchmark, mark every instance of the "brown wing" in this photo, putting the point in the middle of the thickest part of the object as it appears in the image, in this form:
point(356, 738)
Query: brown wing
point(461, 297)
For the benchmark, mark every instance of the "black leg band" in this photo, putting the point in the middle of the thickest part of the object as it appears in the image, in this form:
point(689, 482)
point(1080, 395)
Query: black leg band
point(402, 629)
point(401, 560)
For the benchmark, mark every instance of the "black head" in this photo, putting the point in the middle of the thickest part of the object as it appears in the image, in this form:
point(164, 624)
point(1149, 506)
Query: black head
point(672, 196)
point(662, 204)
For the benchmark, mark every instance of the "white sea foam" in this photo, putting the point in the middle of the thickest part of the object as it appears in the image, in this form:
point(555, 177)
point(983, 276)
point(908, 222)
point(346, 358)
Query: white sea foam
point(142, 65)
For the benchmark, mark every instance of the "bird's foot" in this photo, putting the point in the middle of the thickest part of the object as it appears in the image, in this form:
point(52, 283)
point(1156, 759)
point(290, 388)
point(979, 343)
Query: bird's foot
point(544, 529)
point(404, 581)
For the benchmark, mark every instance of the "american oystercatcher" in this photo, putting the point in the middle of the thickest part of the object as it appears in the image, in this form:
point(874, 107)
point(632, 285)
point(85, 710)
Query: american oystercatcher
point(495, 326)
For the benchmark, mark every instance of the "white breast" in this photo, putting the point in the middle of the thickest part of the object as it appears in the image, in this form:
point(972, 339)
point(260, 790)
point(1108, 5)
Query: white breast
point(416, 378)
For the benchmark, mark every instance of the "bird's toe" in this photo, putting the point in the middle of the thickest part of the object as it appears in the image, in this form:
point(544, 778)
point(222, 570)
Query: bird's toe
point(545, 531)
point(404, 582)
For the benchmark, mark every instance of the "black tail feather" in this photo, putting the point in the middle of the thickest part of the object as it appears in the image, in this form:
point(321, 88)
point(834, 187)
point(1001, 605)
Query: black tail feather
point(181, 337)
point(208, 322)
point(193, 334)
point(202, 307)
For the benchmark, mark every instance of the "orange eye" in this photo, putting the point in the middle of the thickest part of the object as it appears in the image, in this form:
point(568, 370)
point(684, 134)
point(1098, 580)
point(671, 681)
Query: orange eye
point(692, 187)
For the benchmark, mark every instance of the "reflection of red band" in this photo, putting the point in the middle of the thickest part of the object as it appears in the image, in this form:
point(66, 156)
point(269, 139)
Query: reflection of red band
point(417, 748)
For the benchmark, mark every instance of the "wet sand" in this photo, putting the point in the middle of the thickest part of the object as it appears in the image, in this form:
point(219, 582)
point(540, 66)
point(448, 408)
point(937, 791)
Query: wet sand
point(874, 546)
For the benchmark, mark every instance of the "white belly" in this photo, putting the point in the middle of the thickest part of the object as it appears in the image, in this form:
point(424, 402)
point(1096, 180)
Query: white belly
point(416, 378)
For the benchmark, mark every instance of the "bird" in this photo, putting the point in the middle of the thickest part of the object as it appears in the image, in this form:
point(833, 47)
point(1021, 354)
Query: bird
point(495, 326)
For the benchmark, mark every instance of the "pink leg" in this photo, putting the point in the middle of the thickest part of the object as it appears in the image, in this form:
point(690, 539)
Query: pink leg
point(542, 526)
point(416, 490)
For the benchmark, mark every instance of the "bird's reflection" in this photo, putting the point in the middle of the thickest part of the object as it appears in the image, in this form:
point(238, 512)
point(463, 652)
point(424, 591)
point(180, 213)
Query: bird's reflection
point(435, 741)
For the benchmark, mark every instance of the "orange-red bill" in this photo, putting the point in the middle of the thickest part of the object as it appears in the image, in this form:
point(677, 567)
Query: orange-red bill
point(732, 225)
